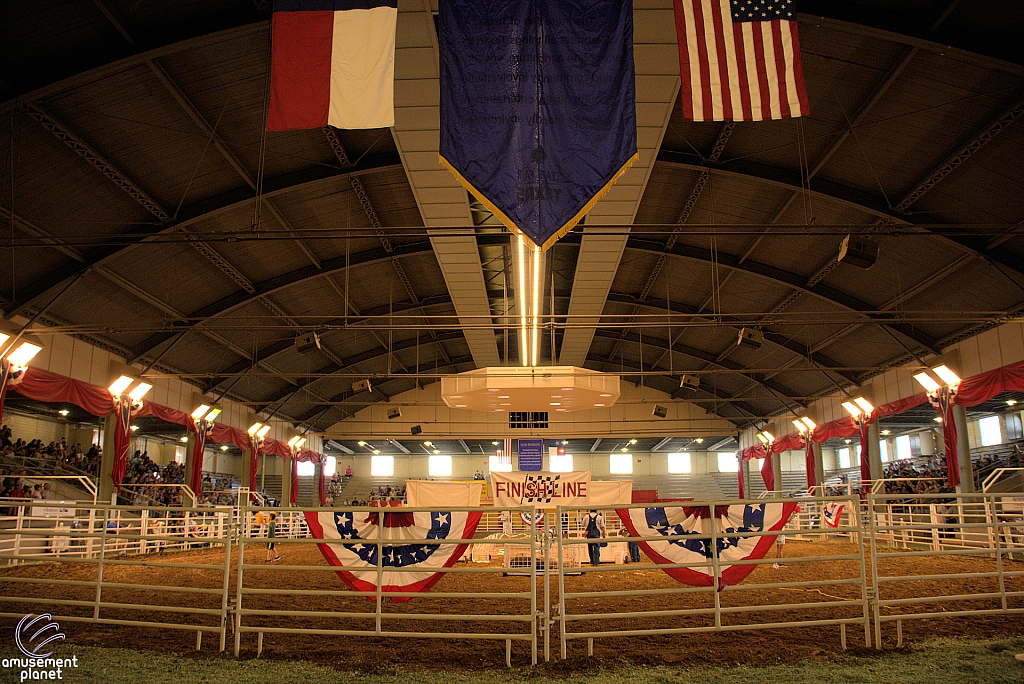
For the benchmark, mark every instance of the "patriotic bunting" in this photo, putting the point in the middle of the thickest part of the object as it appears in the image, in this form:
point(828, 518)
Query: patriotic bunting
point(832, 513)
point(410, 563)
point(697, 520)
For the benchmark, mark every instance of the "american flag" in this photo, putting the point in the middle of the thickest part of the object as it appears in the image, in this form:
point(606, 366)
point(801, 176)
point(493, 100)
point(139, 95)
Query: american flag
point(739, 60)
point(505, 453)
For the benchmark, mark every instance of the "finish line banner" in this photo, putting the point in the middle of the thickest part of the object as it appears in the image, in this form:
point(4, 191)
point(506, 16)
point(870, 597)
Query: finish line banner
point(544, 490)
point(538, 113)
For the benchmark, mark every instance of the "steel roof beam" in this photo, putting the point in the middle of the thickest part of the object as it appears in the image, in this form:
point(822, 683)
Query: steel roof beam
point(188, 216)
point(281, 282)
point(710, 359)
point(836, 192)
point(794, 280)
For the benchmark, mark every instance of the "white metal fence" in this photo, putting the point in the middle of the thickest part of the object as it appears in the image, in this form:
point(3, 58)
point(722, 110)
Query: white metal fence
point(558, 598)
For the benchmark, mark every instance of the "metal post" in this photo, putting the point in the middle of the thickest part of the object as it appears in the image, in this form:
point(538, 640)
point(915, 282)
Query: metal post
point(561, 582)
point(533, 586)
point(243, 515)
point(873, 537)
point(225, 534)
point(865, 594)
point(380, 573)
point(547, 588)
point(963, 449)
point(99, 567)
point(715, 565)
point(999, 554)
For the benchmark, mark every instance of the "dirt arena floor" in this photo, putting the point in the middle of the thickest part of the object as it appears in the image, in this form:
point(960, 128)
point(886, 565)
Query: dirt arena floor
point(751, 647)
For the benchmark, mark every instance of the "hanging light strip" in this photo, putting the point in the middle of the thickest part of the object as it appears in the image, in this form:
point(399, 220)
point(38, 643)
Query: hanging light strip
point(521, 301)
point(536, 302)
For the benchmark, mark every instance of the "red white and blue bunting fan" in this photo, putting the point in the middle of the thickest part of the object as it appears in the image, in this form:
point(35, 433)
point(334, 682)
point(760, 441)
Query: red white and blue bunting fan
point(832, 513)
point(697, 520)
point(408, 567)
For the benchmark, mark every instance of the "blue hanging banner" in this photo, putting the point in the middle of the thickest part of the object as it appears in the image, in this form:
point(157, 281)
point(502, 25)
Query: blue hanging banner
point(531, 454)
point(538, 113)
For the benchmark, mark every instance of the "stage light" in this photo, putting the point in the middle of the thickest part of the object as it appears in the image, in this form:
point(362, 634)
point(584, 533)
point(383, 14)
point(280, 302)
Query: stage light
point(864, 404)
point(800, 427)
point(762, 438)
point(254, 428)
point(296, 442)
point(24, 353)
point(200, 412)
point(262, 432)
point(926, 381)
point(852, 408)
point(119, 385)
point(947, 375)
point(140, 391)
point(212, 415)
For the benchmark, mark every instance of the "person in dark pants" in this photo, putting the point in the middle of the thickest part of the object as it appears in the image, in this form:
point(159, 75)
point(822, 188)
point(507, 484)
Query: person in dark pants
point(634, 548)
point(595, 530)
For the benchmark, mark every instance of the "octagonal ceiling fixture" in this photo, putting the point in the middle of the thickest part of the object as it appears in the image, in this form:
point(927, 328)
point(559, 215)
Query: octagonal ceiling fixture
point(536, 388)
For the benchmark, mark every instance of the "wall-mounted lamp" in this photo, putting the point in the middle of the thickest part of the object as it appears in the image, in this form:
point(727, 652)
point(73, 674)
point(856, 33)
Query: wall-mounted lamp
point(857, 407)
point(296, 442)
point(258, 431)
point(804, 424)
point(16, 349)
point(946, 376)
point(206, 413)
point(765, 437)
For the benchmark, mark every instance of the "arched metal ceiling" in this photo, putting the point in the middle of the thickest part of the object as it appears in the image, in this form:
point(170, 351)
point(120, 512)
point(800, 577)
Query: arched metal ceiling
point(131, 169)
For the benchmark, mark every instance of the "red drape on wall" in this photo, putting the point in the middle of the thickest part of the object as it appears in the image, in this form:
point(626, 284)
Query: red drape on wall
point(812, 477)
point(793, 440)
point(122, 439)
point(224, 434)
point(768, 474)
point(980, 388)
point(899, 406)
point(43, 385)
point(944, 404)
point(198, 454)
point(167, 414)
point(294, 494)
point(275, 448)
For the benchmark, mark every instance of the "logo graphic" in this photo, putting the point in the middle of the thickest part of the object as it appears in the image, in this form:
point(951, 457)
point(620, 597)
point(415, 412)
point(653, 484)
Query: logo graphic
point(36, 632)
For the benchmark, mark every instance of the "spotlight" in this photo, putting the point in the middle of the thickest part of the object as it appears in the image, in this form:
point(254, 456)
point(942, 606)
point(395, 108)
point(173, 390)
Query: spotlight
point(858, 251)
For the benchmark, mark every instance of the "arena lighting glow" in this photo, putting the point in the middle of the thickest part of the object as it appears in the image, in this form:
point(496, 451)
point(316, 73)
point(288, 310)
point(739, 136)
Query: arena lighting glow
point(200, 412)
point(937, 419)
point(224, 447)
point(926, 381)
point(699, 440)
point(536, 302)
point(262, 432)
point(254, 428)
point(885, 433)
point(361, 443)
point(765, 437)
point(212, 415)
point(119, 385)
point(762, 438)
point(864, 404)
point(800, 427)
point(183, 439)
point(632, 441)
point(1011, 402)
point(809, 423)
point(944, 372)
point(521, 297)
point(64, 412)
point(134, 428)
point(140, 391)
point(852, 408)
point(24, 353)
point(296, 442)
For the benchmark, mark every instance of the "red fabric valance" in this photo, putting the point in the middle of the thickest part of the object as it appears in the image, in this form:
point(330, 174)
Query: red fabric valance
point(275, 448)
point(43, 385)
point(225, 434)
point(792, 441)
point(168, 415)
point(751, 452)
point(980, 388)
point(842, 427)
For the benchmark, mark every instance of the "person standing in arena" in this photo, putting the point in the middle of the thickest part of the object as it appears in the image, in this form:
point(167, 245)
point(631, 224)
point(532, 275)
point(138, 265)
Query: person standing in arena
point(271, 536)
point(595, 530)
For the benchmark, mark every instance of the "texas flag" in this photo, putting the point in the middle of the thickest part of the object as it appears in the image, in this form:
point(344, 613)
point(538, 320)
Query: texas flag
point(332, 63)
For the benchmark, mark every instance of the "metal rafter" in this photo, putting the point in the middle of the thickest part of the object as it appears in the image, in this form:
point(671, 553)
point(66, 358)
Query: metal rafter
point(794, 280)
point(188, 216)
point(207, 130)
point(261, 290)
point(35, 231)
point(84, 150)
point(706, 357)
point(966, 151)
point(844, 195)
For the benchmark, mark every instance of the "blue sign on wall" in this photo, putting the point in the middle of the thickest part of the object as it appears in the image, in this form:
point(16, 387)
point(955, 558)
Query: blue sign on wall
point(531, 454)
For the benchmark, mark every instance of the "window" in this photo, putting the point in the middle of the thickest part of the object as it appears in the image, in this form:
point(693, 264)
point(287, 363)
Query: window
point(903, 447)
point(679, 463)
point(560, 464)
point(499, 464)
point(1013, 426)
point(727, 462)
point(306, 469)
point(528, 420)
point(382, 466)
point(620, 464)
point(331, 466)
point(990, 431)
point(440, 466)
point(179, 455)
point(844, 457)
point(883, 450)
